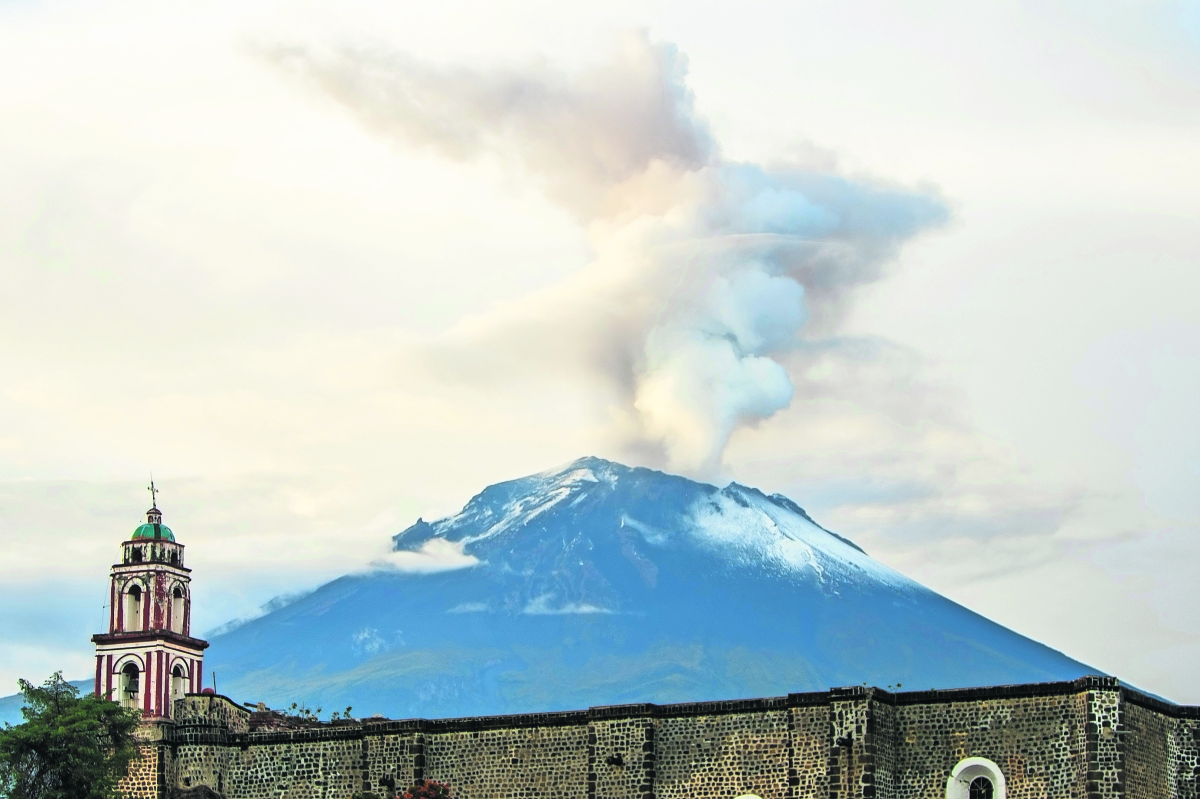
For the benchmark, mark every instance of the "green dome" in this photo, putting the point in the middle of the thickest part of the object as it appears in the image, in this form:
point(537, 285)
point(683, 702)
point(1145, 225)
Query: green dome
point(159, 531)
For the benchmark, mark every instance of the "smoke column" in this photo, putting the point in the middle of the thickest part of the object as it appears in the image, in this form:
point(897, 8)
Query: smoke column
point(708, 272)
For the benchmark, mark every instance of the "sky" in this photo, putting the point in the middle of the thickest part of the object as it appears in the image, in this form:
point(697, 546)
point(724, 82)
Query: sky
point(929, 269)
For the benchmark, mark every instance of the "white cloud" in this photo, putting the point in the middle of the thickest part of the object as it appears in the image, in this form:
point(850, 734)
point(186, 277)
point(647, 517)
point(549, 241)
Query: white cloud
point(469, 607)
point(369, 642)
point(435, 555)
point(545, 605)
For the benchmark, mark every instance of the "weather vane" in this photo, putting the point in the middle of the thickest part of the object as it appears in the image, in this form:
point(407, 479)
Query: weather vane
point(153, 493)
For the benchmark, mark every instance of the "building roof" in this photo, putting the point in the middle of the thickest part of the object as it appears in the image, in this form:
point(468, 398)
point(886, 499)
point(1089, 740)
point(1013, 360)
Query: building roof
point(153, 531)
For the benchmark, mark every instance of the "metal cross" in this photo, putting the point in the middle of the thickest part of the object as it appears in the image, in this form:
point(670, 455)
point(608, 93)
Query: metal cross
point(153, 493)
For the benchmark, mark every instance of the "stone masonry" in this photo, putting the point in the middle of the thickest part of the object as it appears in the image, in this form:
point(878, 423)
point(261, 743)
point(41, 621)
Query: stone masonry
point(1087, 739)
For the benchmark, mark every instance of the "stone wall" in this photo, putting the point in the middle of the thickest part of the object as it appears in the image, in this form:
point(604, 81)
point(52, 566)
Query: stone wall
point(1037, 741)
point(1147, 754)
point(1183, 750)
point(738, 752)
point(1162, 750)
point(151, 774)
point(550, 762)
point(146, 779)
point(1090, 739)
point(884, 729)
point(622, 760)
point(211, 710)
point(808, 776)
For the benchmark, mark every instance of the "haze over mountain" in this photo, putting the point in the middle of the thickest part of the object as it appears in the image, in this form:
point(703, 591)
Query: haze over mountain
point(601, 584)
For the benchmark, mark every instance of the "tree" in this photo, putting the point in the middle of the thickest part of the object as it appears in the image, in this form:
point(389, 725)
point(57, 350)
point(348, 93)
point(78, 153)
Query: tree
point(69, 747)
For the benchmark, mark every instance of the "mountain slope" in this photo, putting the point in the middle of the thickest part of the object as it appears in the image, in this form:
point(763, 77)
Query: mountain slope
point(600, 584)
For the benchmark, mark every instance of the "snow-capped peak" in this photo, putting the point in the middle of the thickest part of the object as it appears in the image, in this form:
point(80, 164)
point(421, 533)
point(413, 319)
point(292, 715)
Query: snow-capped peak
point(598, 498)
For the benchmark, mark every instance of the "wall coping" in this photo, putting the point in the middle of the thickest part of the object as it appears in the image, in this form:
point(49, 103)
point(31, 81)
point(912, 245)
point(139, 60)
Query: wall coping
point(1159, 705)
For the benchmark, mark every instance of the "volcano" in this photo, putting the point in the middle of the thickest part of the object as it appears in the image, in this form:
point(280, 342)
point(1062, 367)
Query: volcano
point(599, 584)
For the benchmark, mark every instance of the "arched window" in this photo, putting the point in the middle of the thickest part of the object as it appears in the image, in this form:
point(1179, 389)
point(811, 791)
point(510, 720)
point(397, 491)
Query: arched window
point(130, 685)
point(980, 788)
point(179, 687)
point(975, 778)
point(137, 555)
point(177, 613)
point(133, 608)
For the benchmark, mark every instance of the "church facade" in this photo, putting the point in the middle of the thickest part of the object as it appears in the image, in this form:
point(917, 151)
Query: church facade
point(1088, 739)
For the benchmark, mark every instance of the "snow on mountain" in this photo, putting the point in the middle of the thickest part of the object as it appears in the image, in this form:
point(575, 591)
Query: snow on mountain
point(598, 583)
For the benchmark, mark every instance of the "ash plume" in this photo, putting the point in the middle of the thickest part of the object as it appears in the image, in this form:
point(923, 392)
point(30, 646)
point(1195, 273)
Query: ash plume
point(711, 276)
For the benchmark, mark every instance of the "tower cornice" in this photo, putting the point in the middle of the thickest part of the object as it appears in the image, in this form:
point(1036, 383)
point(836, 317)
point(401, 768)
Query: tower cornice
point(149, 636)
point(148, 566)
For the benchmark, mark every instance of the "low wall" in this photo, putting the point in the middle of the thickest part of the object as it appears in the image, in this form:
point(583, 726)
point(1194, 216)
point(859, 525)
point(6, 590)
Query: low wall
point(1087, 739)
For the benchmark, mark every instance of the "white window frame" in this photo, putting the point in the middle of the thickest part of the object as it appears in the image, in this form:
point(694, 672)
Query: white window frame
point(958, 786)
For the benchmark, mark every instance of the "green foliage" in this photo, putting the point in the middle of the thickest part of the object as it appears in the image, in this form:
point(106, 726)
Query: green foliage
point(366, 795)
point(428, 789)
point(69, 747)
point(303, 711)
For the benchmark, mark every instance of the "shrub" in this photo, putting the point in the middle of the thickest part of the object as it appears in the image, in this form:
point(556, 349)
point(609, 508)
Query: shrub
point(427, 789)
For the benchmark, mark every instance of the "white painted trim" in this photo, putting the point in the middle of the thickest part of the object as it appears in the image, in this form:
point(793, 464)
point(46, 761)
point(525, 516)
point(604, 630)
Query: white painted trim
point(148, 646)
point(127, 657)
point(959, 783)
point(150, 566)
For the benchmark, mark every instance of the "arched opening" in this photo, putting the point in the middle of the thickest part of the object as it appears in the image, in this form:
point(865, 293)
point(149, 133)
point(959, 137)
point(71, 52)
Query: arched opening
point(177, 612)
point(980, 788)
point(133, 608)
point(179, 685)
point(975, 778)
point(137, 555)
point(130, 685)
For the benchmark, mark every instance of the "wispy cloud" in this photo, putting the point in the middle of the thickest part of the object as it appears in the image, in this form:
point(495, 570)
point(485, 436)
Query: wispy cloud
point(272, 605)
point(435, 555)
point(545, 605)
point(469, 607)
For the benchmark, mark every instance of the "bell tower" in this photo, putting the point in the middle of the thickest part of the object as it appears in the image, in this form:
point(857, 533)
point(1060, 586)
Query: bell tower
point(148, 658)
